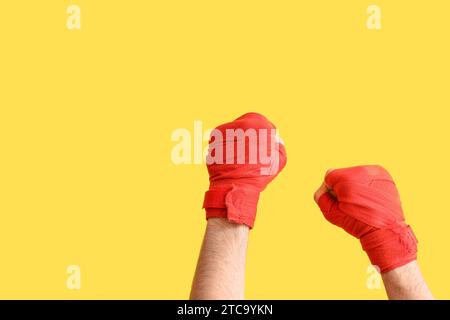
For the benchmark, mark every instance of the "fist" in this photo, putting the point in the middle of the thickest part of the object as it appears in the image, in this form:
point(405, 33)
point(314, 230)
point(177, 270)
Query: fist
point(364, 201)
point(243, 157)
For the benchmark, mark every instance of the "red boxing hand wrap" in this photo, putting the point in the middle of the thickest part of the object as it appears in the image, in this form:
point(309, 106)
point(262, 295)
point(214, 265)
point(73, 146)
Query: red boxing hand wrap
point(244, 156)
point(367, 205)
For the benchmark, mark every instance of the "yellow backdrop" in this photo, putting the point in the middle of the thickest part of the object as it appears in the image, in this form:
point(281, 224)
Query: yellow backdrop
point(86, 117)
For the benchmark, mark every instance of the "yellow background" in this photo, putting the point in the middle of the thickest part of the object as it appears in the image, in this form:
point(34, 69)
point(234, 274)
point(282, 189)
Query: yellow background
point(86, 118)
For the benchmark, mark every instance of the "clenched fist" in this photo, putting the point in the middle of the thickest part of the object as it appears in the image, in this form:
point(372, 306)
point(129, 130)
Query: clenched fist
point(243, 157)
point(364, 201)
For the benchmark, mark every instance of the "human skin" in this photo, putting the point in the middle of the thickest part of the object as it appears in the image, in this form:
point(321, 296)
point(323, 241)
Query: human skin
point(406, 283)
point(220, 272)
point(403, 283)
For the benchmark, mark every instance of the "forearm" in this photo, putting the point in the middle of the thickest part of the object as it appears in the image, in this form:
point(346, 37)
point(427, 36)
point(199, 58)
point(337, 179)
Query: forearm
point(220, 272)
point(406, 283)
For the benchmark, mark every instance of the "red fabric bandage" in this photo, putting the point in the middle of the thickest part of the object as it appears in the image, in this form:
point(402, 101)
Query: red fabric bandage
point(367, 205)
point(244, 156)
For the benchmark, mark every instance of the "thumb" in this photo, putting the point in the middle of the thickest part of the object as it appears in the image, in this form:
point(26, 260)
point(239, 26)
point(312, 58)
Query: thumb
point(325, 199)
point(322, 189)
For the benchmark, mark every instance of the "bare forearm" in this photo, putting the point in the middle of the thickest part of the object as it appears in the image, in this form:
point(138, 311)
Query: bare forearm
point(406, 283)
point(220, 272)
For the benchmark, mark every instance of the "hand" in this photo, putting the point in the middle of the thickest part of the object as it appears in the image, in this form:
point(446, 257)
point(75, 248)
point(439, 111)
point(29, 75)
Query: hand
point(364, 202)
point(244, 156)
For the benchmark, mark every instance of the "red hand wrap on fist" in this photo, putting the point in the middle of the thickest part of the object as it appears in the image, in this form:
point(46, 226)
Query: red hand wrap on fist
point(244, 156)
point(366, 204)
